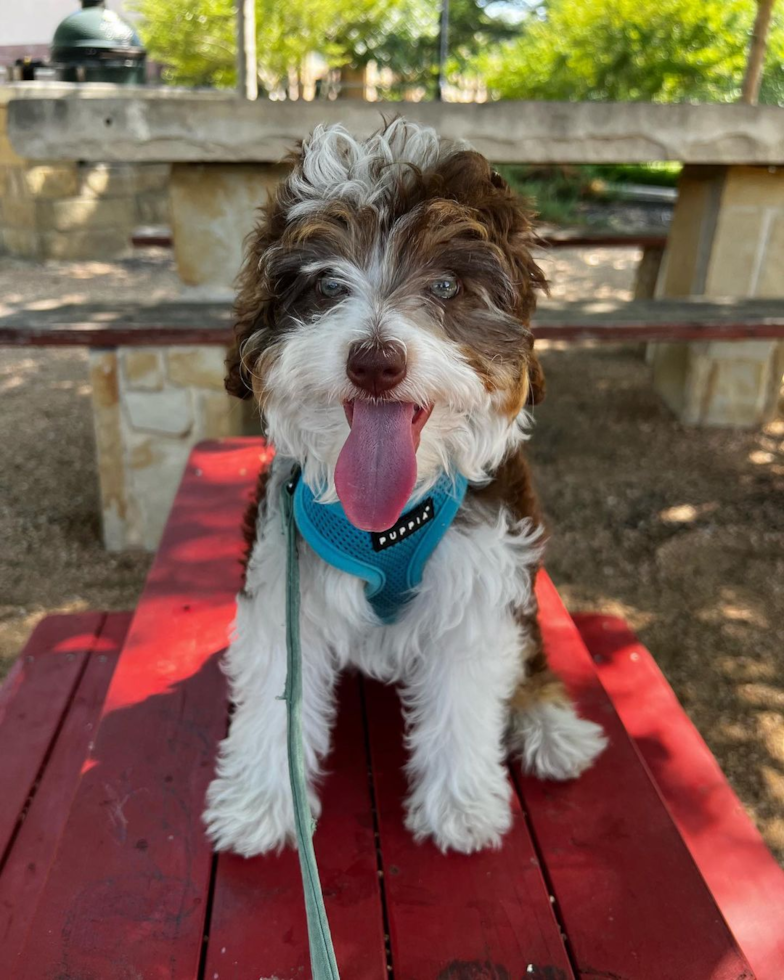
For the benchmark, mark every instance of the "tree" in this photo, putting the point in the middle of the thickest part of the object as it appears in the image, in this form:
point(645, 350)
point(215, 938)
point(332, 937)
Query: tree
point(759, 44)
point(196, 39)
point(247, 71)
point(408, 41)
point(630, 50)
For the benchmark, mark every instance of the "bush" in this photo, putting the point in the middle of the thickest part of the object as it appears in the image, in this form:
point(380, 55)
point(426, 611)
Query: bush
point(635, 50)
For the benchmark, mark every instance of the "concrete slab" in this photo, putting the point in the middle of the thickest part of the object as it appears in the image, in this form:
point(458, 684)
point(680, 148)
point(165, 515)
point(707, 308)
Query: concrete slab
point(202, 128)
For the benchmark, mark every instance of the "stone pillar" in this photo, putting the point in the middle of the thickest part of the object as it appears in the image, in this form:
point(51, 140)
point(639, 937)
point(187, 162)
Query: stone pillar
point(726, 239)
point(151, 405)
point(214, 207)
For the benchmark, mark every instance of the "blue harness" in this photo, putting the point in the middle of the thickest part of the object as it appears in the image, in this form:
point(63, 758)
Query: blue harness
point(391, 562)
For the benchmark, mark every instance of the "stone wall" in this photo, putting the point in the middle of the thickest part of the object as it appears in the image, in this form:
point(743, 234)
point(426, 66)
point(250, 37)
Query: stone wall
point(75, 210)
point(151, 406)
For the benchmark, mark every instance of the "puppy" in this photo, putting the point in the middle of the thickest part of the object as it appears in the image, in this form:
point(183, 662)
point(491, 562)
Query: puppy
point(382, 327)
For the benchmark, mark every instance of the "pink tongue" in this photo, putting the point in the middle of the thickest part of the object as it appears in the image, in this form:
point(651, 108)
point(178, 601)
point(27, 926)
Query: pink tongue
point(376, 469)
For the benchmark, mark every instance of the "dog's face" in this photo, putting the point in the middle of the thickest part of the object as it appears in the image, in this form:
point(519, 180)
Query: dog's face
point(382, 319)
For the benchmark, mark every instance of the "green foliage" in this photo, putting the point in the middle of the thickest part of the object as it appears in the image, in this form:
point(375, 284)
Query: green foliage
point(558, 194)
point(554, 193)
point(634, 50)
point(195, 39)
point(772, 89)
point(659, 174)
point(410, 45)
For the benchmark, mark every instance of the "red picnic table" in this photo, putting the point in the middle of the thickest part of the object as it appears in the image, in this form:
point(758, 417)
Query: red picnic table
point(109, 724)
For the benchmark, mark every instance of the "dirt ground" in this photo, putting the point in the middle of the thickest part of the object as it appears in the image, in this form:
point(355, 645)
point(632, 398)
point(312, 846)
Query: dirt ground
point(681, 531)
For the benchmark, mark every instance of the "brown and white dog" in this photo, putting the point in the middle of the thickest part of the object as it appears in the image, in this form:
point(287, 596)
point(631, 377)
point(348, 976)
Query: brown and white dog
point(388, 287)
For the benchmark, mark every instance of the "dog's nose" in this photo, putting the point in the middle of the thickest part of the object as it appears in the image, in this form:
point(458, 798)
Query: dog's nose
point(376, 369)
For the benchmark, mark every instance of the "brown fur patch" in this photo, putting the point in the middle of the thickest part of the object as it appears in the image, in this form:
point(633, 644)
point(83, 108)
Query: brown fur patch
point(258, 373)
point(536, 380)
point(540, 686)
point(253, 511)
point(512, 487)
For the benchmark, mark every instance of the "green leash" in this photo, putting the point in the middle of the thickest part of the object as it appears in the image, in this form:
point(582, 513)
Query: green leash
point(322, 956)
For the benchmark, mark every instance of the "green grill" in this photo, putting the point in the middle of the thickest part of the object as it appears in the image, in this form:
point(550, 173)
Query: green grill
point(96, 45)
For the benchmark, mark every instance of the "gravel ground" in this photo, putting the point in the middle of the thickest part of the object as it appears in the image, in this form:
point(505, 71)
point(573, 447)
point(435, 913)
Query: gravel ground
point(681, 531)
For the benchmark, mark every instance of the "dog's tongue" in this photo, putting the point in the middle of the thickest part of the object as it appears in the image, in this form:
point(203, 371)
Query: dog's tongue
point(376, 469)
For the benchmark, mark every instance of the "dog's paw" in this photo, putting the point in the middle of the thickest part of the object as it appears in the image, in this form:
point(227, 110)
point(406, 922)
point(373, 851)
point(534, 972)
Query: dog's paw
point(553, 742)
point(249, 823)
point(465, 824)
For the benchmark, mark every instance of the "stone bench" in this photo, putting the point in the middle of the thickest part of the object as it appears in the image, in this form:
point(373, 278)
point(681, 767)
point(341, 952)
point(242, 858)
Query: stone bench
point(157, 378)
point(726, 238)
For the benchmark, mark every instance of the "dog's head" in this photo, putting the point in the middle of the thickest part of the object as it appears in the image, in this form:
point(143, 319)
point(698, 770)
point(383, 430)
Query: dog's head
point(382, 317)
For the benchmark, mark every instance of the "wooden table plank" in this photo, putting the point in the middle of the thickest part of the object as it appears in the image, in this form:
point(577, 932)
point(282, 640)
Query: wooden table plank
point(484, 916)
point(173, 323)
point(165, 314)
point(258, 926)
point(27, 867)
point(740, 871)
point(33, 702)
point(582, 238)
point(628, 892)
point(127, 895)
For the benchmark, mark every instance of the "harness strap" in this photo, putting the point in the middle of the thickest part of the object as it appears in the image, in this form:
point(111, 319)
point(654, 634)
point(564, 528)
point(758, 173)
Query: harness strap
point(322, 955)
point(391, 563)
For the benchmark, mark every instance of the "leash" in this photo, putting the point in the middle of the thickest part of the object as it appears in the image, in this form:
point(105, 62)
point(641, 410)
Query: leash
point(322, 955)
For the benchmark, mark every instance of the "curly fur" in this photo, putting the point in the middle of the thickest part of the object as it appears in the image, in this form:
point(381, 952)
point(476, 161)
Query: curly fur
point(384, 217)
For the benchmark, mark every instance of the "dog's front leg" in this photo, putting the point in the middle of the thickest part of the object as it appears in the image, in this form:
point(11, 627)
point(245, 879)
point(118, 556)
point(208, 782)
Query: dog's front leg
point(249, 804)
point(456, 710)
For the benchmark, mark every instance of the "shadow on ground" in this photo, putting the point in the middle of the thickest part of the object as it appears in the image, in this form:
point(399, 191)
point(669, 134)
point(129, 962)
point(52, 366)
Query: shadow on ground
point(681, 531)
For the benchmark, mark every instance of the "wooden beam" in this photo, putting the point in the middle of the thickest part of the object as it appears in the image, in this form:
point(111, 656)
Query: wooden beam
point(742, 874)
point(628, 894)
point(171, 324)
point(583, 239)
point(561, 332)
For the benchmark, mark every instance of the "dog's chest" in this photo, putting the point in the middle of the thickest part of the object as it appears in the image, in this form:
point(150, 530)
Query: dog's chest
point(480, 570)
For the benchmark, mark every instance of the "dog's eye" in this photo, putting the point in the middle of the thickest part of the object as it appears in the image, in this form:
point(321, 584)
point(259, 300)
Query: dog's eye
point(330, 287)
point(447, 287)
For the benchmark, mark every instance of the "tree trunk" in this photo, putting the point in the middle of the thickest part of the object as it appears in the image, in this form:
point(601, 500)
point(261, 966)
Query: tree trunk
point(443, 49)
point(352, 82)
point(759, 45)
point(247, 69)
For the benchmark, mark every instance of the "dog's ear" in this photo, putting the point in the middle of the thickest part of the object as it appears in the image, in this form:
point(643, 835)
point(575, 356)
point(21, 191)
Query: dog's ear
point(237, 380)
point(253, 308)
point(511, 217)
point(536, 382)
point(467, 177)
point(512, 213)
